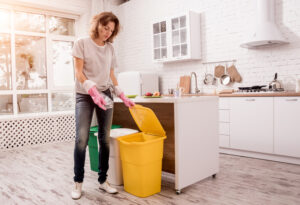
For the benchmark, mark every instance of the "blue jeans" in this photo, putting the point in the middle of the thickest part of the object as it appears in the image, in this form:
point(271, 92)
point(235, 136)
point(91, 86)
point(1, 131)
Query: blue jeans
point(83, 115)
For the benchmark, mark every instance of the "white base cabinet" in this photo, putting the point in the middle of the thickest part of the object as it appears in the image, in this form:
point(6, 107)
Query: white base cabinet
point(261, 127)
point(251, 124)
point(224, 122)
point(287, 126)
point(224, 140)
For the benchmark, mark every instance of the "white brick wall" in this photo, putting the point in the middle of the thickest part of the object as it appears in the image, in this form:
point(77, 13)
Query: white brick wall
point(223, 24)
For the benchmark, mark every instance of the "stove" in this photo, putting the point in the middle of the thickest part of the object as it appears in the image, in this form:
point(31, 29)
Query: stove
point(258, 89)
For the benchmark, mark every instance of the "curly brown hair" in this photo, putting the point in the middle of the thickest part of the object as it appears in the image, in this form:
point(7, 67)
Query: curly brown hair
point(104, 18)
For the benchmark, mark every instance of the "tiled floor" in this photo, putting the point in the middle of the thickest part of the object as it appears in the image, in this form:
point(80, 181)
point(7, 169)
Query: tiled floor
point(43, 175)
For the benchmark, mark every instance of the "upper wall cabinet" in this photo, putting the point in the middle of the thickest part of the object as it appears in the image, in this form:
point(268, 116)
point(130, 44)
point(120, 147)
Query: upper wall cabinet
point(160, 40)
point(177, 38)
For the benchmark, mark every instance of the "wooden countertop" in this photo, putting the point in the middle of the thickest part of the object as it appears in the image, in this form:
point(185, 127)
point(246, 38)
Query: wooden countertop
point(191, 97)
point(237, 94)
point(274, 94)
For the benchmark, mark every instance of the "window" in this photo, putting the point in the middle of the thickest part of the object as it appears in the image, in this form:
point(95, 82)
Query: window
point(36, 66)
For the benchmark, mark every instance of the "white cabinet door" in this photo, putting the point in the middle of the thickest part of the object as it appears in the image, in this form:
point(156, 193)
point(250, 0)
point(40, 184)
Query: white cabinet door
point(224, 128)
point(251, 124)
point(185, 36)
point(224, 115)
point(224, 103)
point(287, 126)
point(177, 38)
point(224, 122)
point(224, 140)
point(159, 34)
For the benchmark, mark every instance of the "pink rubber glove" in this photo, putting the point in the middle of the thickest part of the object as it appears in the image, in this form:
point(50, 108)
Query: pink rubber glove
point(97, 98)
point(126, 101)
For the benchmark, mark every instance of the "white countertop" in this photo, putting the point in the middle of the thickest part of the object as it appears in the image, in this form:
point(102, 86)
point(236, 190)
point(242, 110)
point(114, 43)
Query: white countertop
point(261, 94)
point(167, 99)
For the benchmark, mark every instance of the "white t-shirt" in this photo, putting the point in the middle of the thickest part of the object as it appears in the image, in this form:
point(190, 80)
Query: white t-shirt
point(98, 60)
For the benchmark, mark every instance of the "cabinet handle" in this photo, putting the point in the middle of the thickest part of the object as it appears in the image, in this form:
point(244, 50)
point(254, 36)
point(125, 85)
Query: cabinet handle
point(250, 99)
point(291, 100)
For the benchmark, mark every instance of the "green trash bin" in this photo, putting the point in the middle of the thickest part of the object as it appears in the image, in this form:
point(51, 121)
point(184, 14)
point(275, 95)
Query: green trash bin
point(93, 146)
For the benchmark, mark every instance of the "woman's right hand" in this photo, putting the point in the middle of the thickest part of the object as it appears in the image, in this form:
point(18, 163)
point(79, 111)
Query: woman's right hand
point(97, 98)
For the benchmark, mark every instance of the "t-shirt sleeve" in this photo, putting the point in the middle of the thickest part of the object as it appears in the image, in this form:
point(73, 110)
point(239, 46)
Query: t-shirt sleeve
point(78, 49)
point(114, 63)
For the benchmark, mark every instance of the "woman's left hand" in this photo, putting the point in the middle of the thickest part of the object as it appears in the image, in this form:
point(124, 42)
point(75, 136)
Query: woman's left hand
point(126, 101)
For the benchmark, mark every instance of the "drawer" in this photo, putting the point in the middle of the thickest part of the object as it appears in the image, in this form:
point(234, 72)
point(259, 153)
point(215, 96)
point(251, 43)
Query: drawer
point(224, 140)
point(224, 103)
point(224, 128)
point(224, 115)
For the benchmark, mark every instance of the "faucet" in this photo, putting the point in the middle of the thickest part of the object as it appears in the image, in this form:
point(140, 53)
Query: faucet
point(196, 87)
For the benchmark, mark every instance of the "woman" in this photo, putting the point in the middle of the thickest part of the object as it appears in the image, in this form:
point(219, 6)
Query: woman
point(95, 61)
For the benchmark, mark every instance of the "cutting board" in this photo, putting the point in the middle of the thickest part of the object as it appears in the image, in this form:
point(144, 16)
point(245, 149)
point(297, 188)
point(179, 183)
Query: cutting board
point(219, 71)
point(185, 83)
point(234, 74)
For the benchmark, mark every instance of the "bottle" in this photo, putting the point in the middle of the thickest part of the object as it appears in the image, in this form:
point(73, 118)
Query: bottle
point(108, 102)
point(177, 92)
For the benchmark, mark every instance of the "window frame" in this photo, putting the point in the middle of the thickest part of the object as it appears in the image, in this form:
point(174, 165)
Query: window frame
point(49, 38)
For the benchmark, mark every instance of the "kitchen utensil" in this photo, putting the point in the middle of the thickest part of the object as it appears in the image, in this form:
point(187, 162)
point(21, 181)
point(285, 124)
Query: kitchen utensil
point(234, 74)
point(219, 71)
point(185, 83)
point(225, 79)
point(258, 87)
point(275, 84)
point(209, 79)
point(244, 88)
point(226, 91)
point(170, 91)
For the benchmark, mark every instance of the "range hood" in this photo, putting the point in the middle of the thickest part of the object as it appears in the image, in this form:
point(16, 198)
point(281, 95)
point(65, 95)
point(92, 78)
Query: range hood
point(264, 31)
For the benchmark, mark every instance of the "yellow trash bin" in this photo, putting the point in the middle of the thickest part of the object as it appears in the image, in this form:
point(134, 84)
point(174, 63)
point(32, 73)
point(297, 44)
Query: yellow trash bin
point(141, 154)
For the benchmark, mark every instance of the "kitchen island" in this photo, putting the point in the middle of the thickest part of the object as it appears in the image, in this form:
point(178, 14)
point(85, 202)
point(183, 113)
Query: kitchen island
point(191, 150)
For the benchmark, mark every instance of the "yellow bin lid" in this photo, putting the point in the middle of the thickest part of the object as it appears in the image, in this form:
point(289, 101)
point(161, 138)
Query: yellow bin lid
point(146, 120)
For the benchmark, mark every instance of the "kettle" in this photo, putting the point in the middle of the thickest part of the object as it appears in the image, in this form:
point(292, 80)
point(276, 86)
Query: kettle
point(275, 84)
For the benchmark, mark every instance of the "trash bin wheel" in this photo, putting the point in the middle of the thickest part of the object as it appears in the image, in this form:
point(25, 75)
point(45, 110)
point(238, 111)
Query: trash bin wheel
point(178, 191)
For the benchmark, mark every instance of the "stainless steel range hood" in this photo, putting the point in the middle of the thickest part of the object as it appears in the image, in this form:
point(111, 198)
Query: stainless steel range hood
point(264, 31)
